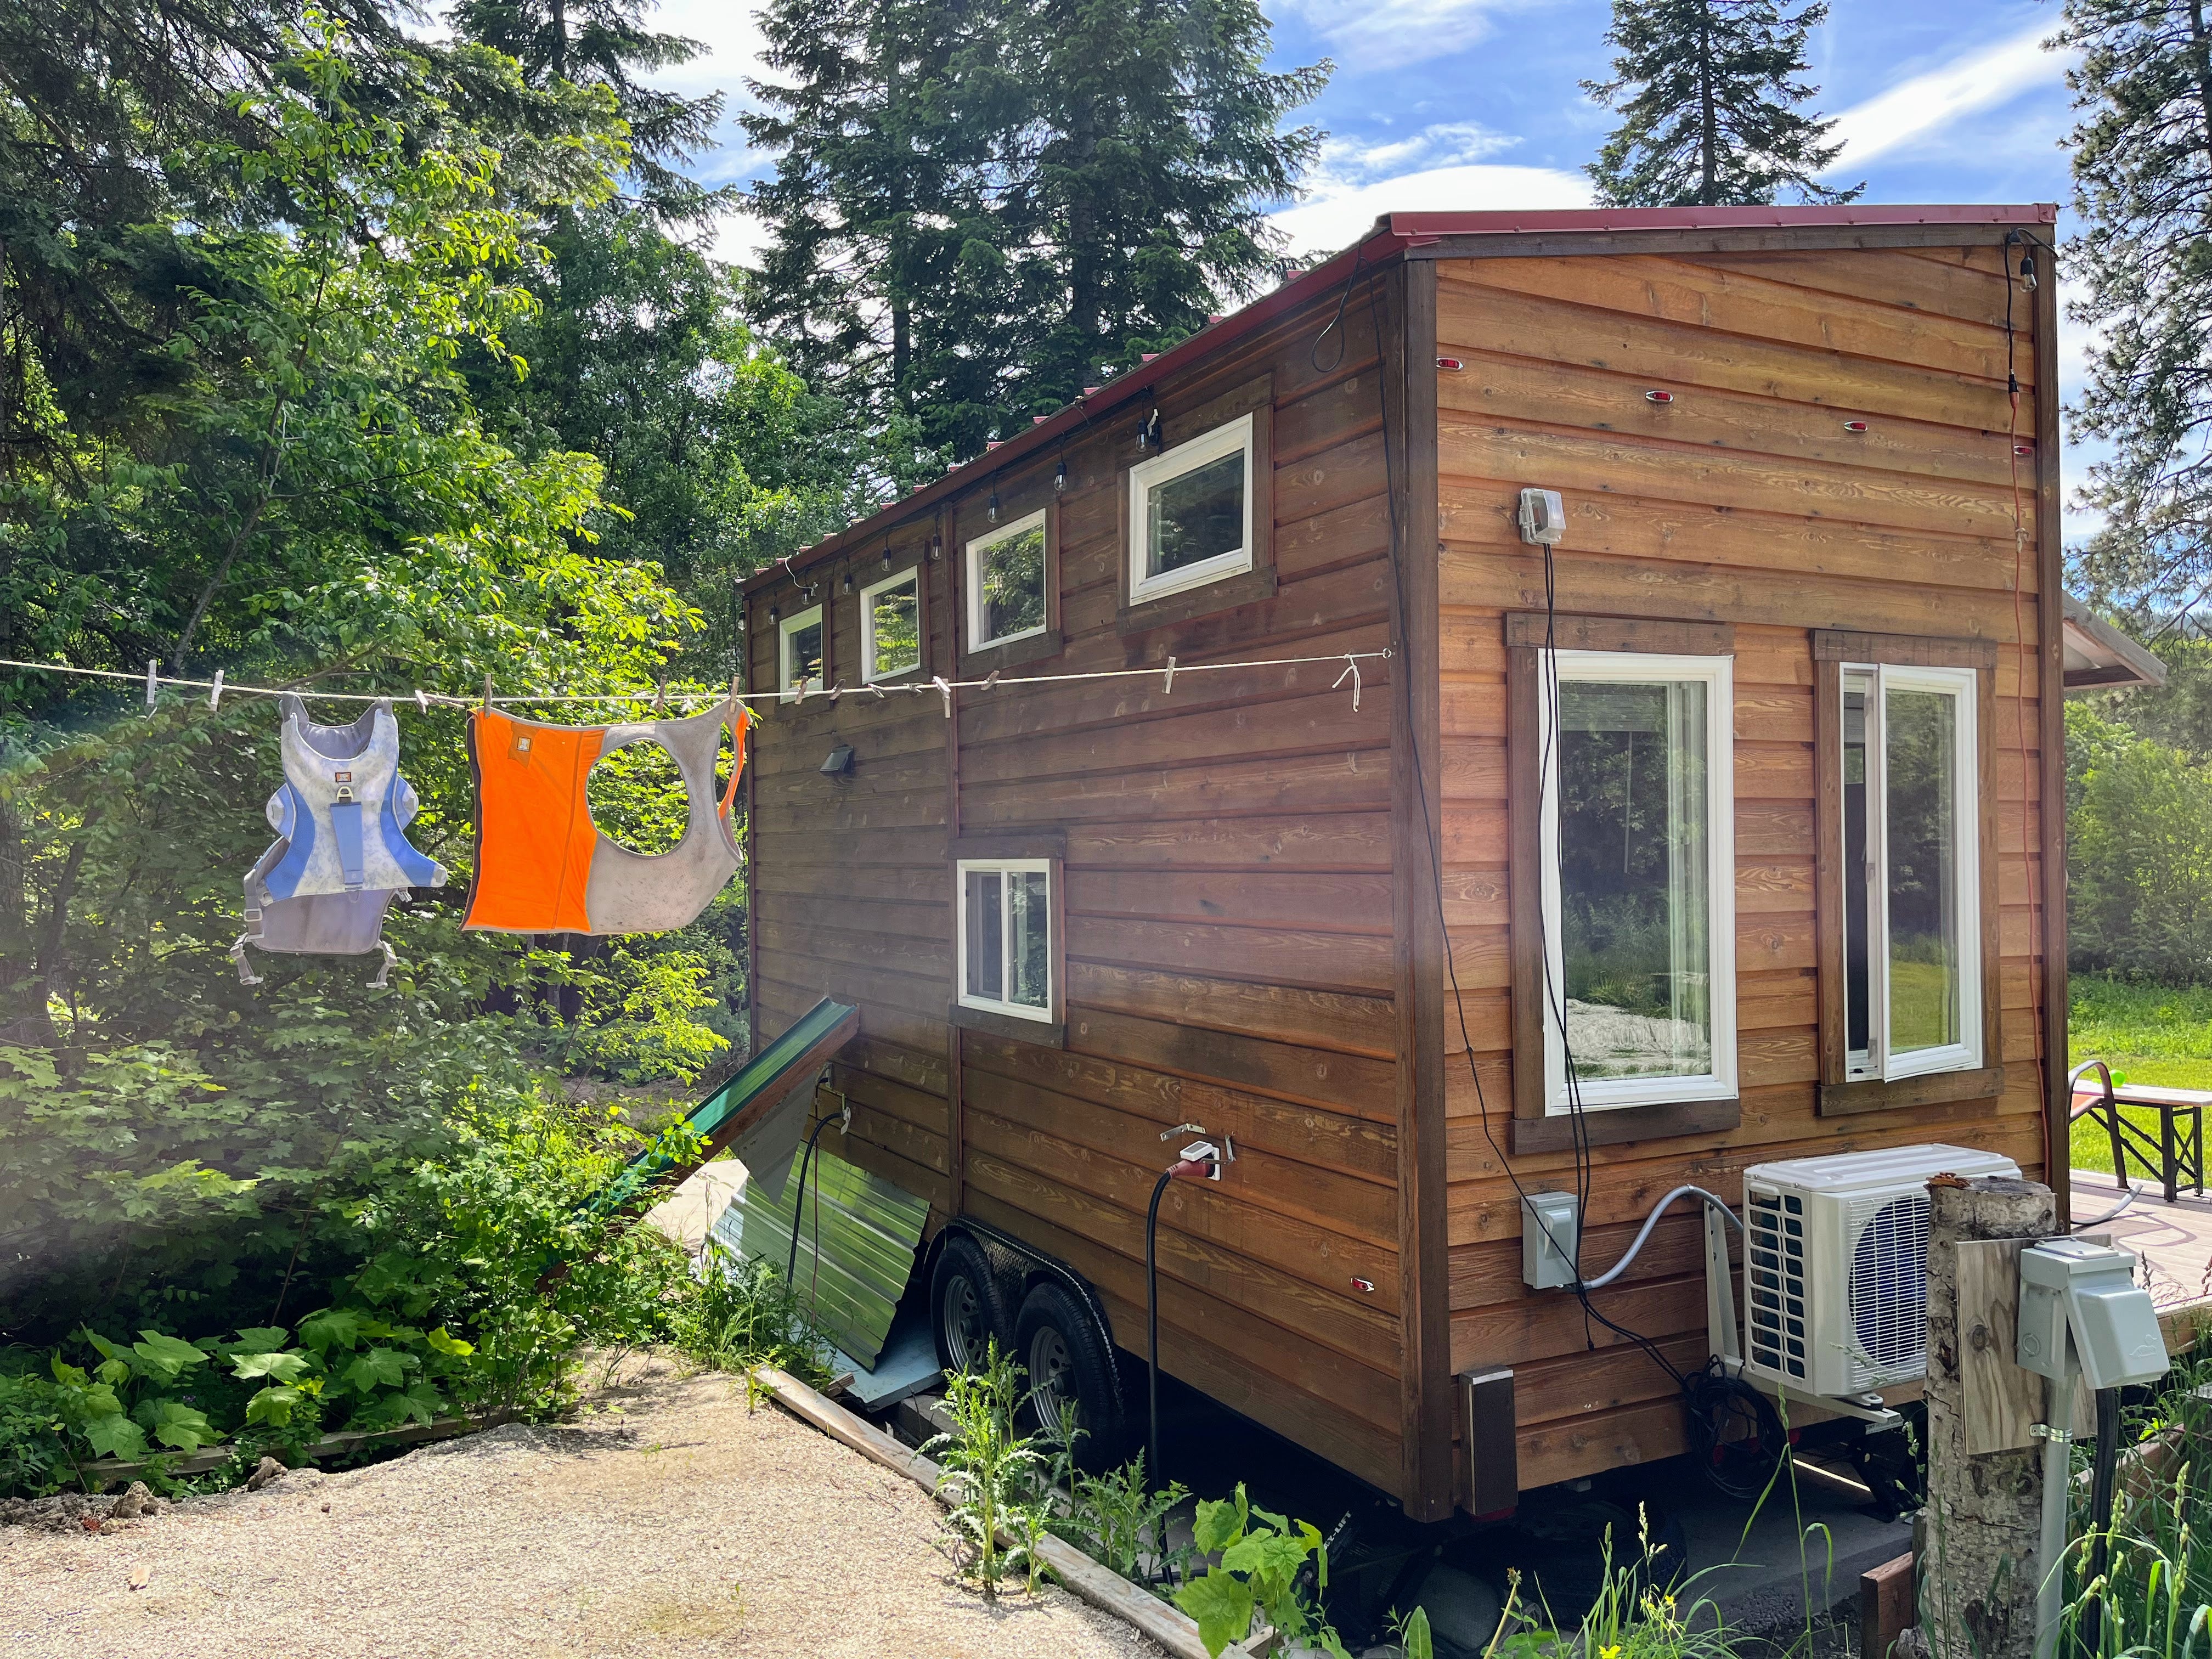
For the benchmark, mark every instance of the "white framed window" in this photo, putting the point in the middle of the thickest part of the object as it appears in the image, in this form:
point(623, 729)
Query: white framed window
point(1912, 927)
point(1639, 879)
point(1006, 583)
point(1190, 512)
point(799, 654)
point(890, 627)
point(1006, 936)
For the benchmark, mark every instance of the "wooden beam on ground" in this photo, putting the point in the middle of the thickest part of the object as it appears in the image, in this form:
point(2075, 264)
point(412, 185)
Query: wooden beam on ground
point(1885, 1605)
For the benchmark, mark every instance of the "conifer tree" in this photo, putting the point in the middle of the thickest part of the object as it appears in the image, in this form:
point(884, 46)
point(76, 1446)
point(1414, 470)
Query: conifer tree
point(1709, 99)
point(2143, 178)
point(606, 43)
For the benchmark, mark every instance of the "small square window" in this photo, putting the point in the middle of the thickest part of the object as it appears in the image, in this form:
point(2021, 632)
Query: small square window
point(1006, 936)
point(799, 654)
point(1190, 512)
point(1006, 583)
point(890, 627)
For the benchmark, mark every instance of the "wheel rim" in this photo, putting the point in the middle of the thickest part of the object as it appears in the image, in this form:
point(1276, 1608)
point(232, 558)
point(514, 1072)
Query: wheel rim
point(963, 1322)
point(1049, 1365)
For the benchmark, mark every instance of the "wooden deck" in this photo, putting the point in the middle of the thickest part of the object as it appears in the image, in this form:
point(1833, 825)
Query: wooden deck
point(2174, 1241)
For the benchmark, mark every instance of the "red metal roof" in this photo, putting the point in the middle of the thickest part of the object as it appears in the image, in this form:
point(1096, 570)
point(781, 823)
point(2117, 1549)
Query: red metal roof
point(1391, 234)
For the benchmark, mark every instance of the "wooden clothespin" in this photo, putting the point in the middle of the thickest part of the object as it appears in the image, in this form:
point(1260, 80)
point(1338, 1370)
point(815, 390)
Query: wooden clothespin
point(991, 682)
point(1168, 690)
point(487, 701)
point(214, 694)
point(153, 665)
point(660, 696)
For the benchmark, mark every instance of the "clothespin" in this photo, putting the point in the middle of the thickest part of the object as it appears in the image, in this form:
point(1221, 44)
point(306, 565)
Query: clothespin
point(991, 682)
point(944, 691)
point(215, 693)
point(879, 692)
point(835, 692)
point(1351, 672)
point(487, 701)
point(422, 700)
point(659, 698)
point(152, 664)
point(1169, 689)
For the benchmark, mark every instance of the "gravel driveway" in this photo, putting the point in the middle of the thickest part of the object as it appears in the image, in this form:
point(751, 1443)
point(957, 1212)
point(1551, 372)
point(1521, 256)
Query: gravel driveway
point(684, 1524)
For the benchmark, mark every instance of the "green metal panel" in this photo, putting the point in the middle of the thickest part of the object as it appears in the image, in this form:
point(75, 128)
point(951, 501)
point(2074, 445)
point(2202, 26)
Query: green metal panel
point(869, 1232)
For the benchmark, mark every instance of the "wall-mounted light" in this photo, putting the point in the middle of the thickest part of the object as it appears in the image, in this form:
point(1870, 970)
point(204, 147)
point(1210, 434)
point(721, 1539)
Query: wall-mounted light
point(936, 550)
point(887, 558)
point(1658, 397)
point(1148, 434)
point(1450, 363)
point(839, 764)
point(848, 583)
point(775, 613)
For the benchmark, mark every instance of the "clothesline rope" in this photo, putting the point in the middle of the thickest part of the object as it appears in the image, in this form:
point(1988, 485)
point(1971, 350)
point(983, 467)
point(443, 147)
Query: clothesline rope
point(218, 688)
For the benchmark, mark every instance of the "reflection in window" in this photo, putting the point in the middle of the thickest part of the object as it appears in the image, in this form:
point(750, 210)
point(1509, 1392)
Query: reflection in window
point(1911, 965)
point(799, 649)
point(890, 620)
point(1634, 863)
point(1007, 937)
point(1005, 583)
point(1191, 511)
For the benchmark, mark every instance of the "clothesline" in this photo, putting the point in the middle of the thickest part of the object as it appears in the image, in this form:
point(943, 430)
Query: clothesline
point(218, 689)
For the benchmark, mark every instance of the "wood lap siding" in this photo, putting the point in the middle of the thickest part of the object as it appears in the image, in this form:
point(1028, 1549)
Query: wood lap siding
point(1744, 501)
point(1227, 893)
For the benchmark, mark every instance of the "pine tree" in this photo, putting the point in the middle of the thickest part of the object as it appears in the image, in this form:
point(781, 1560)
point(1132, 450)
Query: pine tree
point(1160, 138)
point(979, 202)
point(1709, 107)
point(605, 43)
point(2143, 178)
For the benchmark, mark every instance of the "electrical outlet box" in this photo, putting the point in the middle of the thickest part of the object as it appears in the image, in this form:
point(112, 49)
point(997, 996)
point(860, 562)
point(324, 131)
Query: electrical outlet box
point(1543, 517)
point(2071, 1287)
point(1551, 1223)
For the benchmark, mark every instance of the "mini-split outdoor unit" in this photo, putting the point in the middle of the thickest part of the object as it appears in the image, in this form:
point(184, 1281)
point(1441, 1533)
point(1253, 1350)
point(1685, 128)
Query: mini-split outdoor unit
point(1835, 1266)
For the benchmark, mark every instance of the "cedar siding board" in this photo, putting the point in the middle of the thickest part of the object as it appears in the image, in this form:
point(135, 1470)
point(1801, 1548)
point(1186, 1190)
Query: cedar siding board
point(1252, 871)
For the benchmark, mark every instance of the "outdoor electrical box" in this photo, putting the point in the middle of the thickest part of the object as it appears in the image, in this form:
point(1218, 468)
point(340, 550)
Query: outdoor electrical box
point(1543, 518)
point(1549, 1227)
point(2071, 1286)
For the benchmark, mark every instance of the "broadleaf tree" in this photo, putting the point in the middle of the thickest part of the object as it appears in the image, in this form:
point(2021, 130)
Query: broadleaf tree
point(1709, 95)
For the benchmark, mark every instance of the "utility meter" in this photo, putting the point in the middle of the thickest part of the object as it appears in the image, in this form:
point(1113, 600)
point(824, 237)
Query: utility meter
point(2071, 1286)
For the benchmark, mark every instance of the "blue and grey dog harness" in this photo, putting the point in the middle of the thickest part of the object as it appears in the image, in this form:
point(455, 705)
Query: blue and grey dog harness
point(341, 855)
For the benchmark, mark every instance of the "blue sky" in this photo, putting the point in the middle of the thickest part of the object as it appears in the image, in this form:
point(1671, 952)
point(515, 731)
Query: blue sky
point(1477, 103)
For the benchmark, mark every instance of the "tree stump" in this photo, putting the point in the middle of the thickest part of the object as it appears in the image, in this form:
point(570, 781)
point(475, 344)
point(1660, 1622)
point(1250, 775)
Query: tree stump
point(1980, 1564)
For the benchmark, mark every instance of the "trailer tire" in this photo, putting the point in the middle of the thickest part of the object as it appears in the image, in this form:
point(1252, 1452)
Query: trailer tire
point(1070, 1363)
point(964, 1314)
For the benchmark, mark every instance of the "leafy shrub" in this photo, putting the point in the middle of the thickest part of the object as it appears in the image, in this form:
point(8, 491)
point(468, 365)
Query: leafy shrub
point(1260, 1568)
point(2139, 821)
point(741, 1314)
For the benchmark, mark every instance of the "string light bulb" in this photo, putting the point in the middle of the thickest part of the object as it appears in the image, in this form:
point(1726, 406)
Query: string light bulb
point(887, 558)
point(991, 507)
point(775, 613)
point(848, 582)
point(1059, 478)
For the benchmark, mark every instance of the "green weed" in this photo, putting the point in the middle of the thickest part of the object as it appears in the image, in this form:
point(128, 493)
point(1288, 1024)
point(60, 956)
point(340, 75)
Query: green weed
point(990, 1475)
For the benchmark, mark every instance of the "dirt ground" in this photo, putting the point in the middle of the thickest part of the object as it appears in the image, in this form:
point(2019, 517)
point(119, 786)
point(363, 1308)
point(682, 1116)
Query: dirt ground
point(673, 1521)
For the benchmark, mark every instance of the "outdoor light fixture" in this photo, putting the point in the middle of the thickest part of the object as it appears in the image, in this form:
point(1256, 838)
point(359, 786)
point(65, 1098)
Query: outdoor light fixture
point(1060, 479)
point(991, 508)
point(840, 762)
point(887, 558)
point(1148, 434)
point(1854, 426)
point(1658, 397)
point(1450, 363)
point(775, 613)
point(848, 582)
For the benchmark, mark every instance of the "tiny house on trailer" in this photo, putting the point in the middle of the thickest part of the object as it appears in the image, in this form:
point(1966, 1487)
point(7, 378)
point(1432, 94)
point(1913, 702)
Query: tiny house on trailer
point(1698, 818)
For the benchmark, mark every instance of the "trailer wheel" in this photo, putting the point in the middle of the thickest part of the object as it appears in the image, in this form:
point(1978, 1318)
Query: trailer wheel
point(962, 1305)
point(1071, 1374)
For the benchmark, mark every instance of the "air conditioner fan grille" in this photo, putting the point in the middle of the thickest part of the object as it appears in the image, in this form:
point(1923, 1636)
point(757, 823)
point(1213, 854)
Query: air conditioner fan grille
point(1889, 1286)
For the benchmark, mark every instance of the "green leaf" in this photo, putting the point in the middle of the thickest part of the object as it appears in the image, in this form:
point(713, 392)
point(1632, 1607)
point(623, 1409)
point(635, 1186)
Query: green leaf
point(107, 1349)
point(333, 1327)
point(1219, 1524)
point(116, 1437)
point(284, 1367)
point(114, 1372)
point(68, 1376)
point(181, 1427)
point(273, 1406)
point(1415, 1638)
point(165, 1356)
point(260, 1339)
point(378, 1367)
point(1221, 1602)
point(449, 1344)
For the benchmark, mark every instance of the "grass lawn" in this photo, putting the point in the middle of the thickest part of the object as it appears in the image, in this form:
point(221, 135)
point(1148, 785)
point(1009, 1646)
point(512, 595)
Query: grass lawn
point(2147, 1033)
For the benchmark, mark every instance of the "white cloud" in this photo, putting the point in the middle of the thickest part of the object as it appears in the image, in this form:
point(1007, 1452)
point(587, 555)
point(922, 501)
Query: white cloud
point(1336, 221)
point(1371, 34)
point(1926, 105)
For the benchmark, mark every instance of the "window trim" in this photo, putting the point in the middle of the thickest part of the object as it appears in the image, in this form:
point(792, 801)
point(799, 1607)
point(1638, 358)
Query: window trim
point(1532, 1128)
point(971, 569)
point(1004, 865)
point(1717, 673)
point(784, 629)
point(868, 674)
point(1239, 436)
point(1839, 1093)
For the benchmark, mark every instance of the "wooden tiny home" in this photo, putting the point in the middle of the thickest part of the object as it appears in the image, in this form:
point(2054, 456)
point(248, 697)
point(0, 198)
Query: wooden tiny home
point(1804, 514)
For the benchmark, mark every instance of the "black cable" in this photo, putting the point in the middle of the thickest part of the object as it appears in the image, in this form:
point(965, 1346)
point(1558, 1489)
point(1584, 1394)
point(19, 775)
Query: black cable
point(791, 1271)
point(2103, 1471)
point(1152, 1331)
point(1359, 255)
